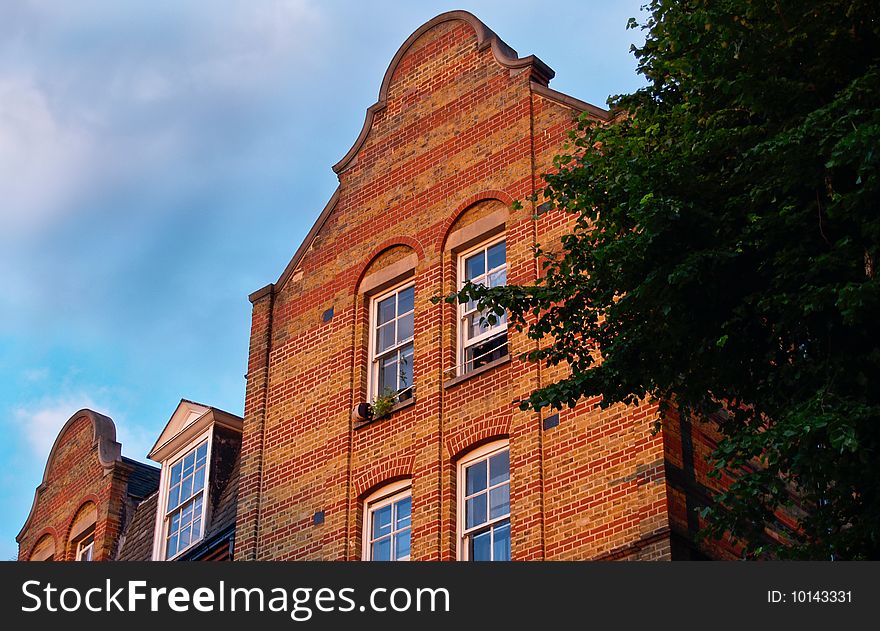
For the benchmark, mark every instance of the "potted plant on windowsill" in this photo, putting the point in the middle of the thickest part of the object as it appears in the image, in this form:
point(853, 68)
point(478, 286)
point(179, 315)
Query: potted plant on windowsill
point(384, 403)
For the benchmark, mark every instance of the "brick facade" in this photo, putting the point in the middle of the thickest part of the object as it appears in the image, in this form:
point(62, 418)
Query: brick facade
point(85, 473)
point(462, 128)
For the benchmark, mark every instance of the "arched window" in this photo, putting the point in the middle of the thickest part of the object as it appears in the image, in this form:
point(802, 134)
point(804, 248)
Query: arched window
point(484, 503)
point(388, 288)
point(82, 533)
point(388, 523)
point(44, 550)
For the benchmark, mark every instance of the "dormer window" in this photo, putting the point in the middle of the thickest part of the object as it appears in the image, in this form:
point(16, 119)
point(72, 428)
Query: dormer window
point(185, 505)
point(196, 450)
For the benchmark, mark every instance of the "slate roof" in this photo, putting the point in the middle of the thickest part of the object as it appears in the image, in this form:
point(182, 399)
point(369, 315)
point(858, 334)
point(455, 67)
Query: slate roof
point(136, 543)
point(224, 512)
point(143, 481)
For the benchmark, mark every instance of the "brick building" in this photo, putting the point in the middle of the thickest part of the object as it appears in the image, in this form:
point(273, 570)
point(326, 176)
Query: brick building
point(379, 425)
point(462, 128)
point(88, 495)
point(94, 504)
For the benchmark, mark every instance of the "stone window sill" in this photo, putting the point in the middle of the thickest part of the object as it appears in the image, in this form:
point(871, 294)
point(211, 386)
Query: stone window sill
point(398, 406)
point(477, 371)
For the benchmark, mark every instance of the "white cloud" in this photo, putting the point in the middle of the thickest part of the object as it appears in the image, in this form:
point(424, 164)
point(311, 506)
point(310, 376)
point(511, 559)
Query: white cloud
point(32, 375)
point(41, 422)
point(136, 441)
point(153, 87)
point(42, 160)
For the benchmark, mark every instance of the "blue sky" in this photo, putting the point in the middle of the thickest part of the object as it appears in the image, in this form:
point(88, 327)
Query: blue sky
point(161, 160)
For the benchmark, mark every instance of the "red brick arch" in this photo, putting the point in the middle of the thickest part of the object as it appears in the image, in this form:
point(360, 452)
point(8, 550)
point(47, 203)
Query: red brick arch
point(385, 245)
point(46, 532)
point(482, 196)
point(380, 473)
point(478, 432)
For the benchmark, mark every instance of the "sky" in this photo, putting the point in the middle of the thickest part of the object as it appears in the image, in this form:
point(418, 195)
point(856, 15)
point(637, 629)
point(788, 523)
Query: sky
point(160, 160)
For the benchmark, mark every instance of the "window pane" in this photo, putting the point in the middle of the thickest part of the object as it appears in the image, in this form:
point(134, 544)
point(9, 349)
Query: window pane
point(197, 507)
point(186, 515)
point(405, 300)
point(474, 328)
point(174, 498)
point(406, 368)
point(202, 453)
point(385, 337)
point(498, 279)
point(186, 488)
point(199, 479)
point(405, 328)
point(485, 352)
point(501, 543)
point(381, 521)
point(476, 477)
point(499, 501)
point(404, 508)
point(388, 373)
point(184, 537)
point(175, 474)
point(175, 523)
point(475, 265)
point(481, 547)
point(189, 462)
point(475, 511)
point(197, 528)
point(381, 550)
point(401, 544)
point(497, 255)
point(499, 468)
point(386, 310)
point(171, 549)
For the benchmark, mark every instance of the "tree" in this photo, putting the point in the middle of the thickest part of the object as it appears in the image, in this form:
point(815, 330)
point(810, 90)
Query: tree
point(723, 254)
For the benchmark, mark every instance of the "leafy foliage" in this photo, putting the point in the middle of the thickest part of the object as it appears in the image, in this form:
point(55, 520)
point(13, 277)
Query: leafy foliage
point(384, 403)
point(723, 254)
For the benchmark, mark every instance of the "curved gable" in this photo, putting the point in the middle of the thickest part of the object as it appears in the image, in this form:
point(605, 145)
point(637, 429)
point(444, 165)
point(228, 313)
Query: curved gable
point(486, 38)
point(103, 441)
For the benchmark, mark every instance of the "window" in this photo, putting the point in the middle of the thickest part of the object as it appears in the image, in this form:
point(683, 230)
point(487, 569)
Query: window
point(391, 339)
point(44, 550)
point(388, 523)
point(82, 533)
point(184, 510)
point(484, 504)
point(481, 341)
point(85, 549)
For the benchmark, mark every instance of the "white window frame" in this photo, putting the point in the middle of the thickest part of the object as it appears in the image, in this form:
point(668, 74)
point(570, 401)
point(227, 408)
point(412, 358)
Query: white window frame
point(161, 538)
point(463, 312)
point(89, 548)
point(373, 368)
point(388, 494)
point(473, 457)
